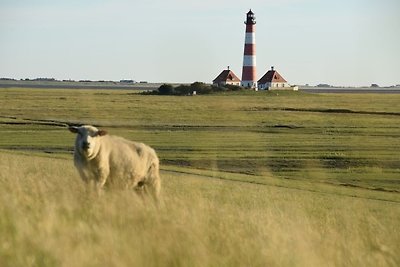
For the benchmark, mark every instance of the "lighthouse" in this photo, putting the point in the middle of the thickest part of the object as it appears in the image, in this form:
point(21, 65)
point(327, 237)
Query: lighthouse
point(249, 74)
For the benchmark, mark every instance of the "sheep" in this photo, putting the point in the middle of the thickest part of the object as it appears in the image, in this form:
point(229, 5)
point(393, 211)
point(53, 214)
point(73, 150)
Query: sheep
point(107, 160)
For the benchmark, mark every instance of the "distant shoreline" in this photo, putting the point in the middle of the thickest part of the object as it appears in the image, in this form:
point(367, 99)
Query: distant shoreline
point(350, 90)
point(78, 85)
point(145, 86)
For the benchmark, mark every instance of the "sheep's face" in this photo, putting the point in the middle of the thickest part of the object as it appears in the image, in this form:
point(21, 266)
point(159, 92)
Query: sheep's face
point(87, 139)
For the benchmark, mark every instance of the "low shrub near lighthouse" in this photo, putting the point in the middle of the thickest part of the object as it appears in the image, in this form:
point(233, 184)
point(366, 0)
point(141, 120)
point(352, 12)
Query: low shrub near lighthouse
point(196, 88)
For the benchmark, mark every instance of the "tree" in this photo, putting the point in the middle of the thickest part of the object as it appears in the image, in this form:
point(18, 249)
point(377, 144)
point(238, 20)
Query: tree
point(200, 88)
point(183, 90)
point(166, 89)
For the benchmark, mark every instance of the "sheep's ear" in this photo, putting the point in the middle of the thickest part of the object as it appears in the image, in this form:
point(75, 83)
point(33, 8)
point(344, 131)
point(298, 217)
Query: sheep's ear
point(73, 129)
point(101, 132)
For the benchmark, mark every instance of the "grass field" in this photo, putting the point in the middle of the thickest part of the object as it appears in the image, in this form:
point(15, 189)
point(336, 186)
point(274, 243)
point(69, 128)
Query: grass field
point(249, 179)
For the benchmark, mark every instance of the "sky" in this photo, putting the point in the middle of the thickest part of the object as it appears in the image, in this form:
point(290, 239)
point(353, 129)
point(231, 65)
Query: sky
point(341, 42)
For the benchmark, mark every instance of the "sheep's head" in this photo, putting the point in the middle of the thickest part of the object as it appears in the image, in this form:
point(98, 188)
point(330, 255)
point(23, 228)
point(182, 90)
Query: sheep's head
point(87, 139)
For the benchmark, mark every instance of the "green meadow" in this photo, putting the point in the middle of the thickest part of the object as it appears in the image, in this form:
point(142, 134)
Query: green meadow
point(249, 179)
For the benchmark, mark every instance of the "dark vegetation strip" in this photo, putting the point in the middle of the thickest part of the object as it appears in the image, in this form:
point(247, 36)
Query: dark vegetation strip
point(48, 150)
point(345, 111)
point(295, 188)
point(176, 127)
point(277, 164)
point(25, 121)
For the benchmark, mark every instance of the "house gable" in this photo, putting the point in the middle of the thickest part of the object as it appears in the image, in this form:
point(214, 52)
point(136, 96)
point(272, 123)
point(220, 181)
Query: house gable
point(226, 77)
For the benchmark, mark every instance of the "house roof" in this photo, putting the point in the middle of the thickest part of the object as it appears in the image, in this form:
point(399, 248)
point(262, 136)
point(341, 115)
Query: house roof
point(272, 76)
point(226, 75)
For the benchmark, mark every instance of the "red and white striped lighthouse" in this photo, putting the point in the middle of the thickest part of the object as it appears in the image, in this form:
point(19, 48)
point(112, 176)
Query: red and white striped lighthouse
point(249, 74)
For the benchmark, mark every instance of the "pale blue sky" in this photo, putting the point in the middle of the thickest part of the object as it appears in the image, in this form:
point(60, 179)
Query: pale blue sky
point(342, 42)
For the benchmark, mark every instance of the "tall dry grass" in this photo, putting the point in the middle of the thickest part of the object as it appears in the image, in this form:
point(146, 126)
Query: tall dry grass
point(46, 219)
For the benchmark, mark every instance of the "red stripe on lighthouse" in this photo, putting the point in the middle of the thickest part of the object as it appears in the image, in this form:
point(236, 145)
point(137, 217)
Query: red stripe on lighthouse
point(249, 74)
point(250, 28)
point(249, 49)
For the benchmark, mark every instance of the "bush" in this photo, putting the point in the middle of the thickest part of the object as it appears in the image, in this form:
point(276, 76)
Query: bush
point(199, 87)
point(183, 90)
point(233, 87)
point(166, 89)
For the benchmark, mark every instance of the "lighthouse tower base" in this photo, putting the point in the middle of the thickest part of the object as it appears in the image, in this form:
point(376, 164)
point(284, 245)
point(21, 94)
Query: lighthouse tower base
point(249, 84)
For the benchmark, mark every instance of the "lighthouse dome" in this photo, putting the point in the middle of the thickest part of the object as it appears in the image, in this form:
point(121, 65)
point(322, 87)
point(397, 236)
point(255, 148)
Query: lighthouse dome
point(250, 18)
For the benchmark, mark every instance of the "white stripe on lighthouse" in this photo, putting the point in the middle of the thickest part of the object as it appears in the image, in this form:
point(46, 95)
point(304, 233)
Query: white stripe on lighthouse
point(250, 38)
point(249, 61)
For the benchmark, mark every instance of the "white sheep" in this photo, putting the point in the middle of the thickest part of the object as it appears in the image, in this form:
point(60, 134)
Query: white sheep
point(103, 159)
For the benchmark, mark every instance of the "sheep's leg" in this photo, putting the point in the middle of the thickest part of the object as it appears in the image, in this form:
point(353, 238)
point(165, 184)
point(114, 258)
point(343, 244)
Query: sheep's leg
point(90, 188)
point(140, 189)
point(144, 189)
point(101, 180)
point(154, 189)
point(153, 182)
point(88, 180)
